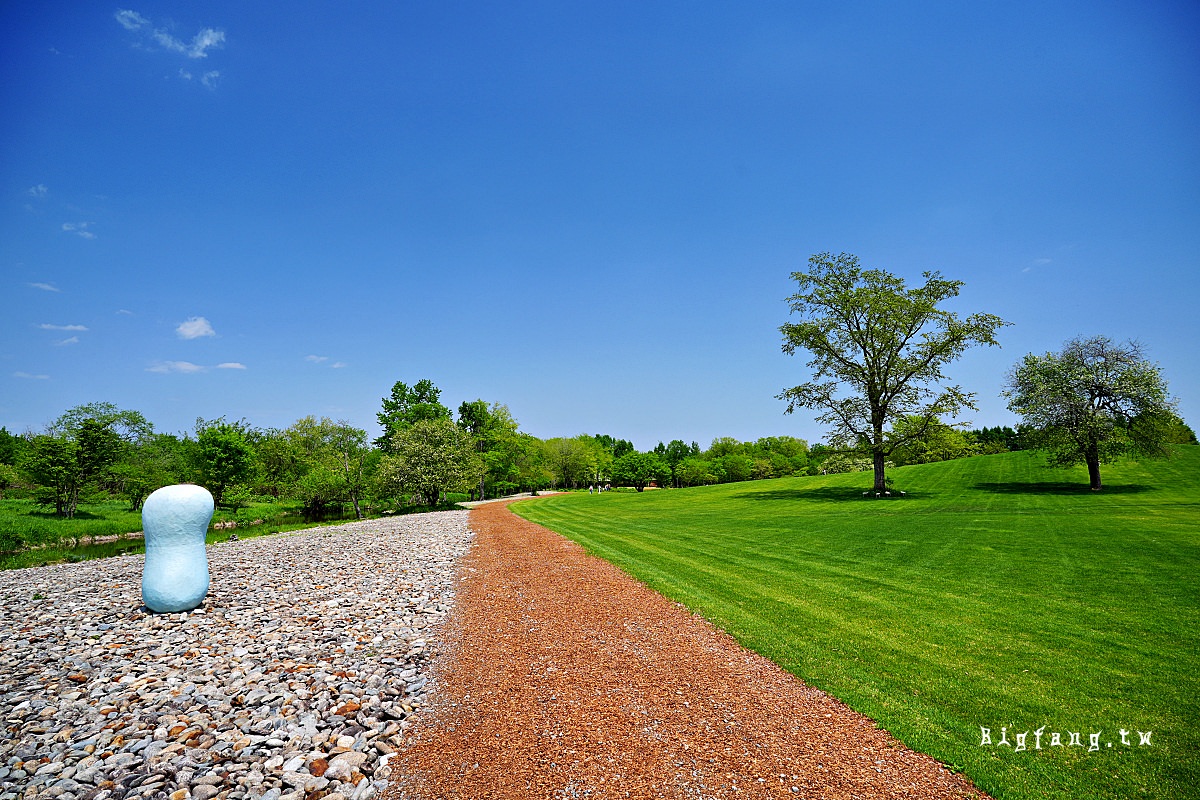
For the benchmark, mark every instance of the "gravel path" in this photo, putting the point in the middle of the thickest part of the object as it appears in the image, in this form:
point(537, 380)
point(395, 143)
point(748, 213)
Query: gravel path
point(297, 678)
point(565, 678)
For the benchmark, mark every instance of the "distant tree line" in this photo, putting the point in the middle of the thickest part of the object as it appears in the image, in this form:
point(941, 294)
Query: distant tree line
point(329, 468)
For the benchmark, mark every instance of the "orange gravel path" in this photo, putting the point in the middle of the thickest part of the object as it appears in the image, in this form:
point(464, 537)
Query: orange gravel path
point(565, 678)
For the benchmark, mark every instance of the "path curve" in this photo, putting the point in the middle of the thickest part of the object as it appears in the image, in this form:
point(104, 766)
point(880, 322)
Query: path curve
point(565, 678)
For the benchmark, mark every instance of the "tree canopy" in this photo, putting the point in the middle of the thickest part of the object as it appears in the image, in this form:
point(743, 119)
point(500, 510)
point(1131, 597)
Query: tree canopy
point(639, 469)
point(225, 456)
point(878, 349)
point(430, 457)
point(1093, 402)
point(407, 406)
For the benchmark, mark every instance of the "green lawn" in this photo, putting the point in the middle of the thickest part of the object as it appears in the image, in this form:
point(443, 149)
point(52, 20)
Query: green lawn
point(997, 593)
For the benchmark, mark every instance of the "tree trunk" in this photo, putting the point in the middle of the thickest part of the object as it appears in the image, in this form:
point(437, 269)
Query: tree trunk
point(357, 512)
point(880, 483)
point(1093, 465)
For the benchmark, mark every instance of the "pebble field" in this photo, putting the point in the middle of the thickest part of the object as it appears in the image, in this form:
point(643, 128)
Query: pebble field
point(296, 679)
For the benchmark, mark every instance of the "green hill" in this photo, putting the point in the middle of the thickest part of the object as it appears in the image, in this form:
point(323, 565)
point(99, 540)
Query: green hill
point(996, 593)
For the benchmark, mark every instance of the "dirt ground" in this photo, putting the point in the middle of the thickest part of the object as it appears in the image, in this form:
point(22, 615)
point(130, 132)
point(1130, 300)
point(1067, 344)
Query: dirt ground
point(565, 678)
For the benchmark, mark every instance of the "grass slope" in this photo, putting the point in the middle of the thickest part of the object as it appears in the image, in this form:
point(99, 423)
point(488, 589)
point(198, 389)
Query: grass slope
point(998, 593)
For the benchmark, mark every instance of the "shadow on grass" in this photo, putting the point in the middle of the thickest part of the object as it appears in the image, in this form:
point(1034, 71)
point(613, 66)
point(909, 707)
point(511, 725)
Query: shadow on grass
point(827, 494)
point(1058, 487)
point(51, 514)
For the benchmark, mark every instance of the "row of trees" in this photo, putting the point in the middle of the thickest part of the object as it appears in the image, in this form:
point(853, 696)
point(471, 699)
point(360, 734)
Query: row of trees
point(97, 451)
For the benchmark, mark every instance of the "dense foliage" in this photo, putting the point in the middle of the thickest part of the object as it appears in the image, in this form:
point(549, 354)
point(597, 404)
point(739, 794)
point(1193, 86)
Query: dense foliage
point(1093, 402)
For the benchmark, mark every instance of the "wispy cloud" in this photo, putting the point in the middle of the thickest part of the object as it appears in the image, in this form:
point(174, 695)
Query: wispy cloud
point(79, 229)
point(198, 47)
point(45, 287)
point(46, 326)
point(323, 359)
point(125, 312)
point(208, 79)
point(194, 328)
point(68, 340)
point(231, 365)
point(131, 20)
point(164, 367)
point(39, 191)
point(27, 376)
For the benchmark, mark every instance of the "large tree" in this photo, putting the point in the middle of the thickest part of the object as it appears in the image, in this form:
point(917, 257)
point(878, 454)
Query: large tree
point(431, 457)
point(495, 433)
point(80, 450)
point(639, 469)
point(51, 463)
point(576, 460)
point(330, 463)
point(878, 348)
point(224, 455)
point(1093, 402)
point(407, 406)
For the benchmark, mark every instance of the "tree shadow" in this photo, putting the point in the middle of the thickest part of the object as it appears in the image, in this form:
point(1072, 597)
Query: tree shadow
point(52, 514)
point(824, 494)
point(1059, 487)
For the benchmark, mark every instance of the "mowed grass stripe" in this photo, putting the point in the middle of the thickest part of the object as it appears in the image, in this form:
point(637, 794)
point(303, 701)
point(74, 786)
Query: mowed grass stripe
point(996, 593)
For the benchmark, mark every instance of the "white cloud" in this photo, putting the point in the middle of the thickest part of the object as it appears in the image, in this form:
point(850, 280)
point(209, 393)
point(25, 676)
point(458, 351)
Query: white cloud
point(316, 359)
point(205, 40)
point(68, 340)
point(79, 229)
point(39, 191)
point(164, 367)
point(125, 312)
point(208, 79)
point(198, 47)
point(45, 287)
point(27, 376)
point(46, 326)
point(338, 365)
point(194, 328)
point(131, 20)
point(231, 365)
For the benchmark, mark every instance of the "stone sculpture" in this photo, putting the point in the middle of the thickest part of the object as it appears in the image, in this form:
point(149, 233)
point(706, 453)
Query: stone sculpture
point(174, 522)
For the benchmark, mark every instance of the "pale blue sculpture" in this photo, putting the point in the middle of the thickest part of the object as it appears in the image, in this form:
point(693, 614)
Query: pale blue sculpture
point(174, 522)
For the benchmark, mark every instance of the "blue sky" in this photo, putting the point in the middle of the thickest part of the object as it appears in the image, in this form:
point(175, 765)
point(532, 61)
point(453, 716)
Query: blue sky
point(587, 211)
